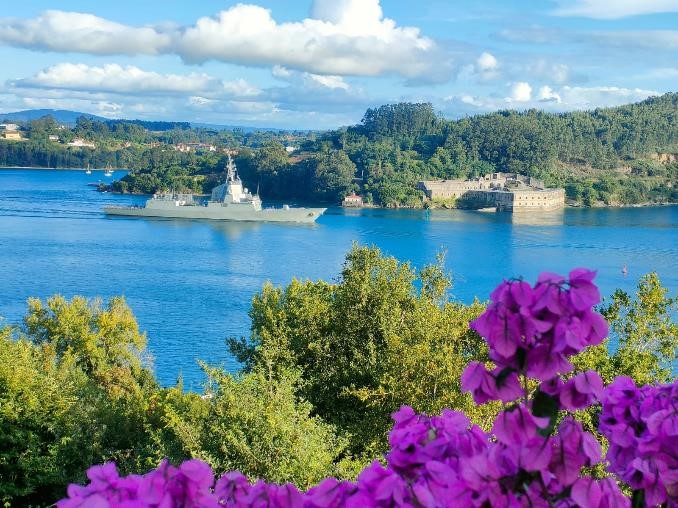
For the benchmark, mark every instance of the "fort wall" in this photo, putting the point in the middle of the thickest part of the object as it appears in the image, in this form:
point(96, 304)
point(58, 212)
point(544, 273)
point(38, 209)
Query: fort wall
point(505, 191)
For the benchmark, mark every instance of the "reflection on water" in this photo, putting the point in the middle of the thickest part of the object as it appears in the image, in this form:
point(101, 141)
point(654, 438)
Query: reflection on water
point(190, 282)
point(229, 229)
point(546, 218)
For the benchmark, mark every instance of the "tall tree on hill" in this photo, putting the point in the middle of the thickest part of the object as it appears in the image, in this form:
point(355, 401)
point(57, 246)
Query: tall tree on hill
point(333, 174)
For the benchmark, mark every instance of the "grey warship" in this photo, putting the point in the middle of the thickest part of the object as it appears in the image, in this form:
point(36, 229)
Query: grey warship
point(229, 201)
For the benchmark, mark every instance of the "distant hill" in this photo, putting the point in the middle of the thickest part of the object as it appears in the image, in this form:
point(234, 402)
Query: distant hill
point(242, 128)
point(69, 118)
point(60, 115)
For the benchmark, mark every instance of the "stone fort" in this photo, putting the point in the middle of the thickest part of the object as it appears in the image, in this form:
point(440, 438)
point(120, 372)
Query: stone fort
point(504, 191)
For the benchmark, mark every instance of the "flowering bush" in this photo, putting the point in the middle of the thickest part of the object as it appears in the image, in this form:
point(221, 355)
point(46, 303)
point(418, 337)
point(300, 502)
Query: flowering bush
point(533, 457)
point(641, 425)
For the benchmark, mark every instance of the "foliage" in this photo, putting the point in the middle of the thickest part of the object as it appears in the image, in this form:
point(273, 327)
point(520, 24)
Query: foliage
point(360, 344)
point(332, 173)
point(400, 120)
point(529, 459)
point(37, 402)
point(325, 366)
point(105, 342)
point(256, 424)
point(645, 332)
point(75, 389)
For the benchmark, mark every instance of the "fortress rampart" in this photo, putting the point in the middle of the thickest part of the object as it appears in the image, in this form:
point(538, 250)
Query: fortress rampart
point(505, 191)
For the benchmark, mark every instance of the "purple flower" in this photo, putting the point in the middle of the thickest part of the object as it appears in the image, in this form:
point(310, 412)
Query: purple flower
point(330, 493)
point(583, 292)
point(572, 449)
point(590, 493)
point(581, 391)
point(232, 489)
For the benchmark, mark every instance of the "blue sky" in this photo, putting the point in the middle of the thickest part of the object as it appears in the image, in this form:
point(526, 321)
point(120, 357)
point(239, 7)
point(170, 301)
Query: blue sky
point(320, 63)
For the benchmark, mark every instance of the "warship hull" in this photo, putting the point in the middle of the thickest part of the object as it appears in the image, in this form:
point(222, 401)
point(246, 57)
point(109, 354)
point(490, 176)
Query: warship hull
point(232, 213)
point(229, 201)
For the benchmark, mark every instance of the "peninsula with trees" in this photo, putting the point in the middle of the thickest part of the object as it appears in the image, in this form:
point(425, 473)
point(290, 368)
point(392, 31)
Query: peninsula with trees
point(624, 155)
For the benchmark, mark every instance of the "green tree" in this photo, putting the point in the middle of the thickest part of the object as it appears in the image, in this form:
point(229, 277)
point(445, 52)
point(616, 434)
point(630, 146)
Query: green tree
point(333, 173)
point(367, 344)
point(643, 334)
point(105, 340)
point(259, 426)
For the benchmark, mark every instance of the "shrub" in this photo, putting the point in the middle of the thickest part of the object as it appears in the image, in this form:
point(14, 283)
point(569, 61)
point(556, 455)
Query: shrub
point(536, 455)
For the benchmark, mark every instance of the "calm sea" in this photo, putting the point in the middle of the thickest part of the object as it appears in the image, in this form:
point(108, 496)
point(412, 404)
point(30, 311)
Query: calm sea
point(190, 283)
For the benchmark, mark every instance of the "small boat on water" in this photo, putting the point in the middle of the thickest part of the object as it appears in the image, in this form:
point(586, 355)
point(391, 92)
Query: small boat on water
point(89, 171)
point(109, 171)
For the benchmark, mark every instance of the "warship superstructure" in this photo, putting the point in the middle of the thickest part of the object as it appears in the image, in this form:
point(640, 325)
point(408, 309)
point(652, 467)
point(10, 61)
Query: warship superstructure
point(229, 201)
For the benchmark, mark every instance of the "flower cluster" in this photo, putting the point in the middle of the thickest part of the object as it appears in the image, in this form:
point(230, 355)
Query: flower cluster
point(533, 331)
point(434, 462)
point(641, 425)
point(444, 461)
point(189, 485)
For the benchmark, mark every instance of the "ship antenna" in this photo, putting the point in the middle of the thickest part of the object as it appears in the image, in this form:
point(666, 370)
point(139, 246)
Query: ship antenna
point(230, 168)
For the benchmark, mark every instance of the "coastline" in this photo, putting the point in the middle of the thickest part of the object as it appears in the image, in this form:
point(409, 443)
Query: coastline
point(570, 206)
point(62, 169)
point(567, 205)
point(372, 206)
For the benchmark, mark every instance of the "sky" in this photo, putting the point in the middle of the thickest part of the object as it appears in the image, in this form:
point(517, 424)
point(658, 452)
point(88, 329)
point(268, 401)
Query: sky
point(319, 64)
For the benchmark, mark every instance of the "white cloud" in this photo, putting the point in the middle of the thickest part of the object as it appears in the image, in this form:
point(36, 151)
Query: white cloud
point(565, 98)
point(281, 72)
point(606, 9)
point(578, 97)
point(330, 81)
point(485, 67)
point(355, 17)
point(350, 37)
point(345, 37)
point(520, 92)
point(546, 94)
point(114, 78)
point(82, 33)
point(129, 92)
point(103, 108)
point(487, 62)
point(307, 91)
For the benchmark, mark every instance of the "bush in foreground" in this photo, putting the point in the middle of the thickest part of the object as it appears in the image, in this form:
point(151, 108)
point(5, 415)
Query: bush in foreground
point(536, 455)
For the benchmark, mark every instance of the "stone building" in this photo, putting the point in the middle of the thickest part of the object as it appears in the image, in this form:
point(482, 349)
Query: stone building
point(12, 135)
point(529, 200)
point(504, 191)
point(352, 200)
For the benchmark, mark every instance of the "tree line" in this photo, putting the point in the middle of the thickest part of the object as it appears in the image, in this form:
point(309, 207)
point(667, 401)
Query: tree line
point(605, 156)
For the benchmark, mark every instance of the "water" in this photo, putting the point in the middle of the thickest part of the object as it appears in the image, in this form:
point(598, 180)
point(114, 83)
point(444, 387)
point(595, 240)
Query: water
point(190, 283)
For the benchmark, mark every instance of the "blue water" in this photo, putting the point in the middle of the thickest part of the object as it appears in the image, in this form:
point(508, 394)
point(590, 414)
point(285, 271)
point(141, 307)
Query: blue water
point(190, 283)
